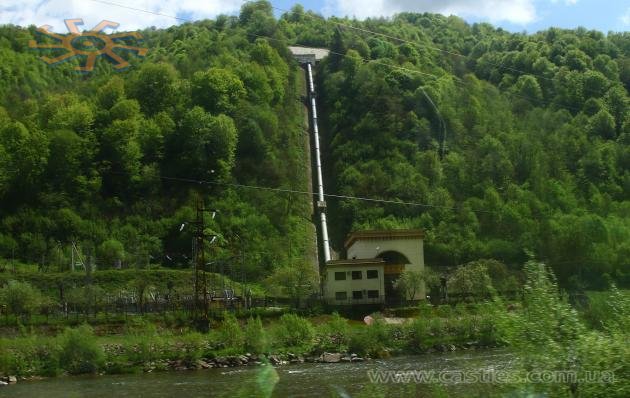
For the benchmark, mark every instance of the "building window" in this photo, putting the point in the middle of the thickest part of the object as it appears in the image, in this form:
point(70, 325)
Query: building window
point(372, 293)
point(341, 296)
point(357, 294)
point(372, 274)
point(340, 276)
point(357, 275)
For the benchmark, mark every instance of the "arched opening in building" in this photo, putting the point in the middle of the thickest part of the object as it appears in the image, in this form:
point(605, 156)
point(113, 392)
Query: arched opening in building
point(394, 266)
point(393, 257)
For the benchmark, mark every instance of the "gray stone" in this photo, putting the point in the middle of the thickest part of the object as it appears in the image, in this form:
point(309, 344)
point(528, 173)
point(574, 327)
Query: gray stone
point(357, 359)
point(330, 357)
point(11, 379)
point(346, 359)
point(203, 364)
point(3, 383)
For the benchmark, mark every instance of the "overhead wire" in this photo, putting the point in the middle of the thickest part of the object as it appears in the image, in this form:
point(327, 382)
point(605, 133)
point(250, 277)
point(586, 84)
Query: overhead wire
point(411, 42)
point(284, 190)
point(296, 191)
point(454, 78)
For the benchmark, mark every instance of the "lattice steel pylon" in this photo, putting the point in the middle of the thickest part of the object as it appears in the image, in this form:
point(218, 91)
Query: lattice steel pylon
point(90, 44)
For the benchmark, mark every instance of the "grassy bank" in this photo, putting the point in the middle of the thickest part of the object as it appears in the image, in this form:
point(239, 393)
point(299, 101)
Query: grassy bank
point(143, 345)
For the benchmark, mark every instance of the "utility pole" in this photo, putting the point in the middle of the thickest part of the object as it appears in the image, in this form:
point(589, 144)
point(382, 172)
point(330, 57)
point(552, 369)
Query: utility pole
point(200, 310)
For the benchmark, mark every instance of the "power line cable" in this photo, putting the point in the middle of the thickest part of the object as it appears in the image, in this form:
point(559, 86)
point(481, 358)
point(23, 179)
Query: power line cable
point(406, 41)
point(141, 10)
point(295, 191)
point(456, 79)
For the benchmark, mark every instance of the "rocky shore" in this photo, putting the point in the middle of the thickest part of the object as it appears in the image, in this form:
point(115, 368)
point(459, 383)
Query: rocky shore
point(249, 359)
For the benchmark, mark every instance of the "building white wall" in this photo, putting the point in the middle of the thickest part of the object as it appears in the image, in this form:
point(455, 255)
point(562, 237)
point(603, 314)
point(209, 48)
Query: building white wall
point(413, 249)
point(331, 286)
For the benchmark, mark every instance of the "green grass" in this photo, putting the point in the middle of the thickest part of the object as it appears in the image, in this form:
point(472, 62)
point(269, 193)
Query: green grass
point(142, 342)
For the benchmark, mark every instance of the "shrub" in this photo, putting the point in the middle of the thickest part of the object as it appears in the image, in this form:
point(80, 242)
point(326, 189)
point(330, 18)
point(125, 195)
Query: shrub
point(230, 334)
point(140, 349)
point(293, 331)
point(20, 298)
point(418, 335)
point(190, 347)
point(256, 339)
point(425, 310)
point(334, 335)
point(443, 311)
point(27, 356)
point(371, 340)
point(79, 351)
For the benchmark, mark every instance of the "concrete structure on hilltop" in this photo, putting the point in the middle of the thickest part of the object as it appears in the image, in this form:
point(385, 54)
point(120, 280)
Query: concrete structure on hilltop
point(374, 260)
point(308, 55)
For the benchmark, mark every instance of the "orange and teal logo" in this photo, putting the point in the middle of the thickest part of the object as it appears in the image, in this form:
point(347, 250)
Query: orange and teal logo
point(89, 45)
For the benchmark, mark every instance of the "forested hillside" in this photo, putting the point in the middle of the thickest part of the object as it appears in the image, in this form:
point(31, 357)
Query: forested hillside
point(95, 158)
point(505, 143)
point(514, 142)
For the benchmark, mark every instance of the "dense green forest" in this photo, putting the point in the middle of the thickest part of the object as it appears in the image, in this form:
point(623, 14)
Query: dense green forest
point(84, 157)
point(509, 143)
point(515, 143)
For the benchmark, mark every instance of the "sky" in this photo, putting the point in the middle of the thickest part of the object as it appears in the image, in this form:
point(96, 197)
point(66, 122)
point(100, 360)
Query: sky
point(513, 15)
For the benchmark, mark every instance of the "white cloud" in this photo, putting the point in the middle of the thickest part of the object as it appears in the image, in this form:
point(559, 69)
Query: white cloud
point(53, 12)
point(625, 18)
point(515, 11)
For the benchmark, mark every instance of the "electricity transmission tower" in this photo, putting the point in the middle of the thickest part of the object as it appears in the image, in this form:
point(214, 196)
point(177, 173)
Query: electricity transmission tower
point(200, 299)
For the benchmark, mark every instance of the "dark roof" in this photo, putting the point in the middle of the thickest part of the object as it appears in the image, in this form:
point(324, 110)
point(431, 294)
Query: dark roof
point(384, 235)
point(356, 262)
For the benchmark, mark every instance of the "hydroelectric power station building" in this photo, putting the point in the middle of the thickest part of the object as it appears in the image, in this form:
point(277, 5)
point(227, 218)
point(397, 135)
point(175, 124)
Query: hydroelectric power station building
point(374, 259)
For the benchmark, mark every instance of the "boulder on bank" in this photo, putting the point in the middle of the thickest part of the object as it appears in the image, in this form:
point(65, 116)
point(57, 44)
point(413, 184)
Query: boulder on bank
point(328, 357)
point(9, 379)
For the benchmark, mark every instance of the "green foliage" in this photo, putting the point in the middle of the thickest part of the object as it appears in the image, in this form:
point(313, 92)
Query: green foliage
point(111, 252)
point(411, 283)
point(230, 333)
point(373, 341)
point(522, 142)
point(20, 298)
point(255, 336)
point(90, 159)
point(190, 347)
point(548, 335)
point(217, 90)
point(334, 335)
point(607, 310)
point(471, 279)
point(79, 351)
point(296, 282)
point(293, 331)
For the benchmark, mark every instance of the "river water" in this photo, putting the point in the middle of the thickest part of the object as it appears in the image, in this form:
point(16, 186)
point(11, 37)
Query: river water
point(302, 380)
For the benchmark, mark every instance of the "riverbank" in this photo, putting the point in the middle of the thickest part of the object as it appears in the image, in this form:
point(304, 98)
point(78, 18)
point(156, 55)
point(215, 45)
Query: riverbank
point(290, 339)
point(304, 380)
